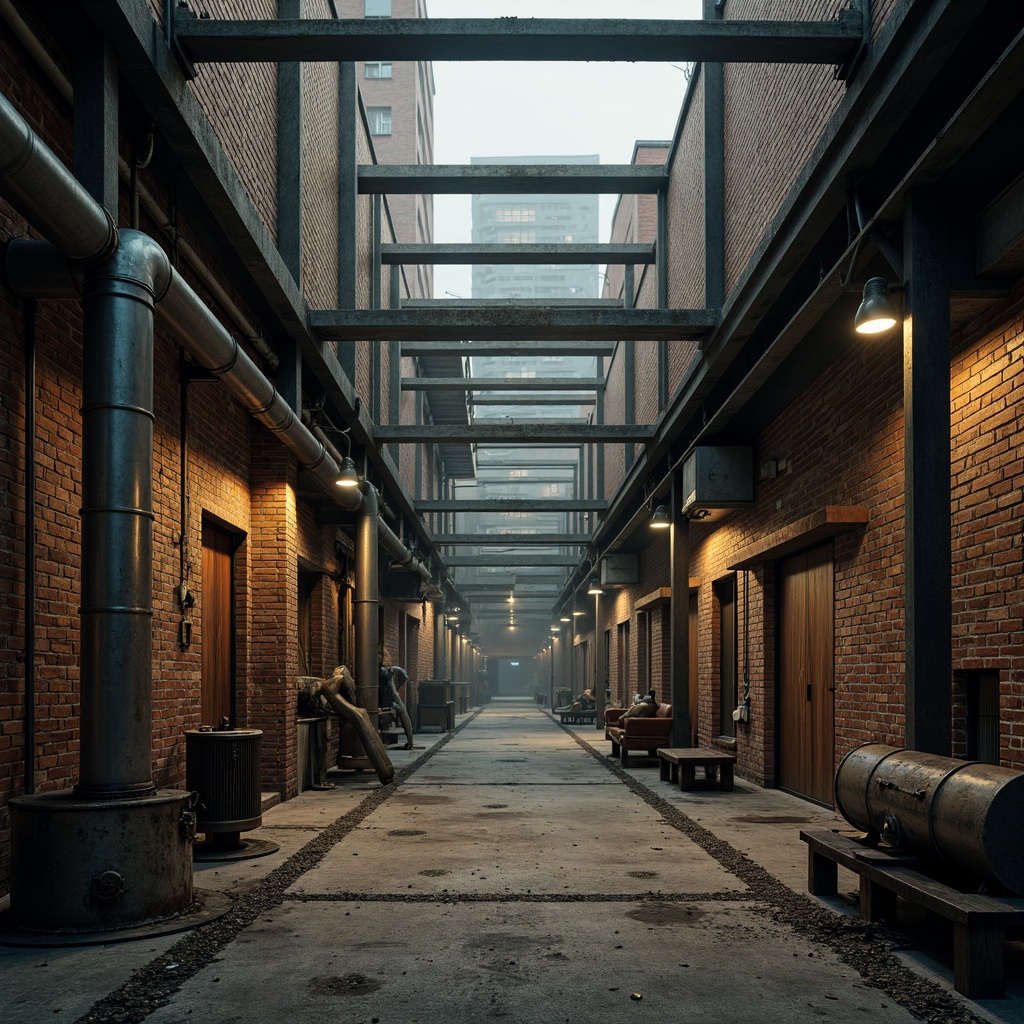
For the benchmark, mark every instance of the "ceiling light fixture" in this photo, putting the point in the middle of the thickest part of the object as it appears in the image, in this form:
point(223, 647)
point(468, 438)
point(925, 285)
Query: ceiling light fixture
point(876, 314)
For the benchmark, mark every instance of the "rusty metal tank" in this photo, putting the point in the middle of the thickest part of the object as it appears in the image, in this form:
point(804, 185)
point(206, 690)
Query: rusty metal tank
point(965, 814)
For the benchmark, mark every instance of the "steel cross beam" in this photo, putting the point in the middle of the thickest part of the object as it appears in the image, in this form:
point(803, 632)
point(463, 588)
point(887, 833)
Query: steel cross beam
point(512, 179)
point(505, 560)
point(511, 539)
point(523, 349)
point(501, 383)
point(512, 324)
point(511, 505)
point(500, 431)
point(490, 39)
point(458, 253)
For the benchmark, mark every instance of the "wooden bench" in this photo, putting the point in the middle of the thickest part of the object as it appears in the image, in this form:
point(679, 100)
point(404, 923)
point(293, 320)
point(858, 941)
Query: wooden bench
point(569, 716)
point(979, 922)
point(681, 763)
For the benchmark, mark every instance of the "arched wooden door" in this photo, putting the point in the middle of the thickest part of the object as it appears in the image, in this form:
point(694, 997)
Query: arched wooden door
point(806, 761)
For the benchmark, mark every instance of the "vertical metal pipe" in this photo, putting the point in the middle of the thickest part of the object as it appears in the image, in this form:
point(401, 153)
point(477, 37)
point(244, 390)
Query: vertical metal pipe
point(364, 607)
point(117, 520)
point(599, 694)
point(30, 547)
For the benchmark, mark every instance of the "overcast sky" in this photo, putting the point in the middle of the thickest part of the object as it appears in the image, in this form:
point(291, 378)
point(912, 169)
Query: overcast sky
point(546, 108)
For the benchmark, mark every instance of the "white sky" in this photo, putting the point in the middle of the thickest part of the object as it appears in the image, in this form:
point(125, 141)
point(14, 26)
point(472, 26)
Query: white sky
point(546, 107)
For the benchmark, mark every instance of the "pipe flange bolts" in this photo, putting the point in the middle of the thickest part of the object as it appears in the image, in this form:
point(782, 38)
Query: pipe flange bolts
point(108, 886)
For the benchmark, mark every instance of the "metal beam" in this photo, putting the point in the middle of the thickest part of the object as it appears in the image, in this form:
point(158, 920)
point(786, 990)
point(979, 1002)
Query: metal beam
point(512, 179)
point(502, 431)
point(458, 253)
point(506, 560)
point(495, 39)
point(540, 324)
point(583, 398)
point(512, 539)
point(511, 505)
point(524, 349)
point(500, 383)
point(555, 302)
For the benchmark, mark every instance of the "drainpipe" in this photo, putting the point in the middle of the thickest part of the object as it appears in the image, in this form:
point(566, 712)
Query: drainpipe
point(364, 605)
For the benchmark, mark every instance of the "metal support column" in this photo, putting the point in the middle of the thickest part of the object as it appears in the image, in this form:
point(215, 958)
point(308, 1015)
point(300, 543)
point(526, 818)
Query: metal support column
point(713, 74)
point(289, 154)
point(629, 398)
point(679, 614)
point(95, 123)
point(926, 385)
point(348, 183)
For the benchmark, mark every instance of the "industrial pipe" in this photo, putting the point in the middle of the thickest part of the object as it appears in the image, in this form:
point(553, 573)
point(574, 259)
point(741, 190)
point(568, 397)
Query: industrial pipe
point(965, 814)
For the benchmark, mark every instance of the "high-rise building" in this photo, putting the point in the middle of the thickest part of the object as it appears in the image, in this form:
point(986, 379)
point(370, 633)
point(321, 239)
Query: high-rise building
point(399, 101)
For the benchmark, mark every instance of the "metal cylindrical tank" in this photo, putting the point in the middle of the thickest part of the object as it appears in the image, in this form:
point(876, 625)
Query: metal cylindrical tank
point(966, 814)
point(223, 767)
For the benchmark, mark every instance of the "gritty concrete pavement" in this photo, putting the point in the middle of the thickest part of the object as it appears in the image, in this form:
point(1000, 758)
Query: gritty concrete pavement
point(515, 872)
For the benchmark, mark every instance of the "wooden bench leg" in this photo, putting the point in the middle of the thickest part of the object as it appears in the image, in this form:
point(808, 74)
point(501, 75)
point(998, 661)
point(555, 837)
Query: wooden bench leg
point(615, 749)
point(822, 874)
point(687, 774)
point(978, 961)
point(726, 782)
point(665, 769)
point(876, 902)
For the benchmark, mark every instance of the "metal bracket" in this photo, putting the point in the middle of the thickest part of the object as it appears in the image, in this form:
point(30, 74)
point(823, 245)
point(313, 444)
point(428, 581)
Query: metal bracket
point(180, 13)
point(857, 11)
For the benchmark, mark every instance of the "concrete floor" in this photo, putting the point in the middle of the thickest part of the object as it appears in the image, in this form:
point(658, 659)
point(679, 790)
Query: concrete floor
point(514, 871)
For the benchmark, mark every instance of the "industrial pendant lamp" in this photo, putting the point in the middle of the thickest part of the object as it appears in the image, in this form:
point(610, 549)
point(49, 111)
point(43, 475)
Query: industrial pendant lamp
point(660, 520)
point(594, 587)
point(875, 314)
point(347, 475)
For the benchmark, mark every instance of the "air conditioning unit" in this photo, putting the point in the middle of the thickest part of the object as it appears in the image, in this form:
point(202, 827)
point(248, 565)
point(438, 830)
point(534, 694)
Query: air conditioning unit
point(620, 570)
point(718, 477)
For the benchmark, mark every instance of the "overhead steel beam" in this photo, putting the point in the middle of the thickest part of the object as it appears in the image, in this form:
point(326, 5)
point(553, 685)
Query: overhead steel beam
point(512, 539)
point(511, 505)
point(454, 254)
point(512, 324)
point(501, 383)
point(503, 431)
point(524, 349)
point(509, 303)
point(583, 398)
point(506, 560)
point(490, 39)
point(512, 179)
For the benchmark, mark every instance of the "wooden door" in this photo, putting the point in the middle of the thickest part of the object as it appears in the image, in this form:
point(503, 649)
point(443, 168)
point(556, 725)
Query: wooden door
point(806, 675)
point(693, 668)
point(218, 634)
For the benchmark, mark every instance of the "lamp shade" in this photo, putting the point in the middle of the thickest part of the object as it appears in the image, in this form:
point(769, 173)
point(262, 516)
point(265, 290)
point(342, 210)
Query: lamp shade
point(876, 313)
point(594, 587)
point(347, 475)
point(660, 520)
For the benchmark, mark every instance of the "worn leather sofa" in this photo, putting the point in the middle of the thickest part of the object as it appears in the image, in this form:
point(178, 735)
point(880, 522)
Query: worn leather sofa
point(647, 734)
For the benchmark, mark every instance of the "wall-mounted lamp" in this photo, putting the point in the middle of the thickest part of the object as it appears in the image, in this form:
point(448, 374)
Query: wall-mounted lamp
point(564, 618)
point(876, 313)
point(660, 520)
point(347, 475)
point(555, 627)
point(594, 586)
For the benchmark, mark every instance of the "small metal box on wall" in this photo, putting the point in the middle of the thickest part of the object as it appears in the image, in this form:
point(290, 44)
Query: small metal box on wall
point(718, 476)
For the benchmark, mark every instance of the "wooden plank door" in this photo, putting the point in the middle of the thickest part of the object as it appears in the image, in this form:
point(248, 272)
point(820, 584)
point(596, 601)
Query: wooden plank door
point(218, 621)
point(806, 674)
point(693, 668)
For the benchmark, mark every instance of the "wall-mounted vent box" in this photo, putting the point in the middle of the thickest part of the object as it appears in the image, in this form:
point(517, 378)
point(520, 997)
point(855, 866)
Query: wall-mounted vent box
point(619, 570)
point(718, 476)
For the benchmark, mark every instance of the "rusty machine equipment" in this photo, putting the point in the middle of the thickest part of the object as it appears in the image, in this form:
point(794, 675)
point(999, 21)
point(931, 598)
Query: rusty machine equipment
point(966, 815)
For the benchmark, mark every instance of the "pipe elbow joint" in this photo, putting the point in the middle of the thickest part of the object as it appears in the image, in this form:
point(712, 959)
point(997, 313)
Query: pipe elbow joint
point(139, 258)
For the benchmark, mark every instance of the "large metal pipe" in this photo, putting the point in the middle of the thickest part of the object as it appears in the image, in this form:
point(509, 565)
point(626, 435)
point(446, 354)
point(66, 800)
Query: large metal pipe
point(39, 185)
point(963, 813)
point(115, 754)
point(365, 603)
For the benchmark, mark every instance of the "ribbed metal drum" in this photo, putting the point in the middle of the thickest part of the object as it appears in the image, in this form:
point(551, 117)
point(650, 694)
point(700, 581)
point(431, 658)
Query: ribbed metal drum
point(966, 814)
point(223, 767)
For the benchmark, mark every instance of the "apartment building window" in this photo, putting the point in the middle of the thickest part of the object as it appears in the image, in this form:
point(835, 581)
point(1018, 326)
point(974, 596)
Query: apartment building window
point(377, 69)
point(377, 8)
point(380, 120)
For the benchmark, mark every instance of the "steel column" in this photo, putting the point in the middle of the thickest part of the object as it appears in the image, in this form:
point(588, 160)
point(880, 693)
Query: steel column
point(289, 156)
point(928, 544)
point(679, 614)
point(713, 74)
